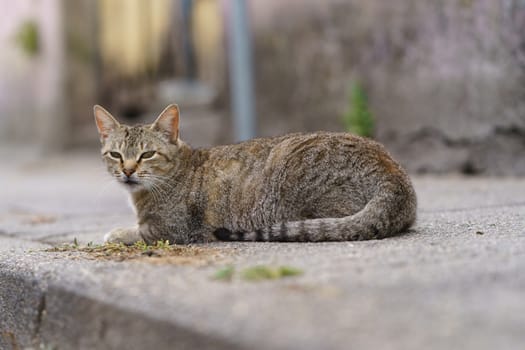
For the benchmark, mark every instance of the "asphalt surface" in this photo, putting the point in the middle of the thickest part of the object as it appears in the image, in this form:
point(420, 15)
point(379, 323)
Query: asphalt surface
point(455, 281)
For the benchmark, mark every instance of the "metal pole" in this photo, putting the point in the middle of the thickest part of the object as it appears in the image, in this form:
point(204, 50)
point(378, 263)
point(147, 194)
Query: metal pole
point(189, 54)
point(241, 71)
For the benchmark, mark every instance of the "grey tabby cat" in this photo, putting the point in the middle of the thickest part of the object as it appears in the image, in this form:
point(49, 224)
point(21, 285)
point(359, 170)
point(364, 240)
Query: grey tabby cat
point(300, 187)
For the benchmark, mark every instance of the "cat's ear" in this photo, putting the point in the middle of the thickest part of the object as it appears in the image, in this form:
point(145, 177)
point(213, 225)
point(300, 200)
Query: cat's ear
point(106, 124)
point(168, 123)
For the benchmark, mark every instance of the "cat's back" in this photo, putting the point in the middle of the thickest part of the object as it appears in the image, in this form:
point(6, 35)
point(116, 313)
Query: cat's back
point(290, 144)
point(322, 146)
point(332, 151)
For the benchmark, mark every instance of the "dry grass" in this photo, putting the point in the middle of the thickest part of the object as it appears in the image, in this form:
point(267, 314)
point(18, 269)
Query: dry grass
point(160, 253)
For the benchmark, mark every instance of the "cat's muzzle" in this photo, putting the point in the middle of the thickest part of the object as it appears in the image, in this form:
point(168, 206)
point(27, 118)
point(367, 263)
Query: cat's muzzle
point(129, 181)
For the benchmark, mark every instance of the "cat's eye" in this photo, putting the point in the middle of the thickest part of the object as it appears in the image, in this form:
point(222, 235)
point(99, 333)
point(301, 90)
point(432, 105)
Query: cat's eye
point(115, 155)
point(147, 155)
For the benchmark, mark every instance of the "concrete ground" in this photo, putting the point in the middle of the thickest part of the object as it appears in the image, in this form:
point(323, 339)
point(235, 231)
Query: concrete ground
point(456, 281)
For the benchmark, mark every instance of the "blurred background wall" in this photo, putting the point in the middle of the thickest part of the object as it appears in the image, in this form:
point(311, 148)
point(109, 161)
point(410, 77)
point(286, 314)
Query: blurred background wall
point(444, 81)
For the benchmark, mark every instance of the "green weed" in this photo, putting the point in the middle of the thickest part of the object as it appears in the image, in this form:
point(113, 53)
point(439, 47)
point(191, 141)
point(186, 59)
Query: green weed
point(358, 119)
point(257, 273)
point(225, 274)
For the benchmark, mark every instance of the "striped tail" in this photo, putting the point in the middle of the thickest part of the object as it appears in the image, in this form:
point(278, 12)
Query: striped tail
point(375, 221)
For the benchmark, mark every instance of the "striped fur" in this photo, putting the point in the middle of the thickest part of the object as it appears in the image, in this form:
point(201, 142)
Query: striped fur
point(294, 188)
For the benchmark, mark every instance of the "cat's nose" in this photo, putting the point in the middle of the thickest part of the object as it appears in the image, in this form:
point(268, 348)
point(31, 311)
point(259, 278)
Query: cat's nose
point(129, 167)
point(128, 171)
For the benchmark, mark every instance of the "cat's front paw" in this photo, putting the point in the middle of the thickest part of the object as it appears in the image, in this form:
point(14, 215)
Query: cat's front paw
point(127, 236)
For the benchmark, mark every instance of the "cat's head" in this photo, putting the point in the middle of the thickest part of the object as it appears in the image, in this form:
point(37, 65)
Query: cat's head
point(141, 156)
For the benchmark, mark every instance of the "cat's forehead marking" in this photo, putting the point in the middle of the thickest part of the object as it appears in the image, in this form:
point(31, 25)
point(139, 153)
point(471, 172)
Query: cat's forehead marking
point(131, 140)
point(134, 136)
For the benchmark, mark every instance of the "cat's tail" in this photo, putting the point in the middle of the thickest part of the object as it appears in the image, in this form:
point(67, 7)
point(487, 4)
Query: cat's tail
point(385, 215)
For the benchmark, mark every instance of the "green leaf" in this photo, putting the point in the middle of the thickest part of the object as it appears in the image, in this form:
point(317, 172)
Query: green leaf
point(225, 274)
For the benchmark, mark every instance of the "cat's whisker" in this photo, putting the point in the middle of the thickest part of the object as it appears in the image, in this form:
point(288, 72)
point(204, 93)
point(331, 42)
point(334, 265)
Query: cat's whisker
point(158, 179)
point(159, 194)
point(156, 176)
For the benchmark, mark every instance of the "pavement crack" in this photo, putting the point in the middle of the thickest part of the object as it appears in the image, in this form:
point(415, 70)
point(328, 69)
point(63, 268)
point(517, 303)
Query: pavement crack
point(41, 313)
point(103, 329)
point(10, 338)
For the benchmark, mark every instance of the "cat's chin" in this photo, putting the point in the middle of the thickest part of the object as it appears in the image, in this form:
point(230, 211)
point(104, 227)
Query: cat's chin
point(132, 186)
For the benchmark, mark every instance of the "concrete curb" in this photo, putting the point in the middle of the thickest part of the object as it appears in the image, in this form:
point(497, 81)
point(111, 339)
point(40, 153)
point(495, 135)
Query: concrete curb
point(40, 313)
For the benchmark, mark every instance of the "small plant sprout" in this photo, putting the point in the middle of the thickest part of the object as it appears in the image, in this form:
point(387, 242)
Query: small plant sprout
point(225, 274)
point(358, 118)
